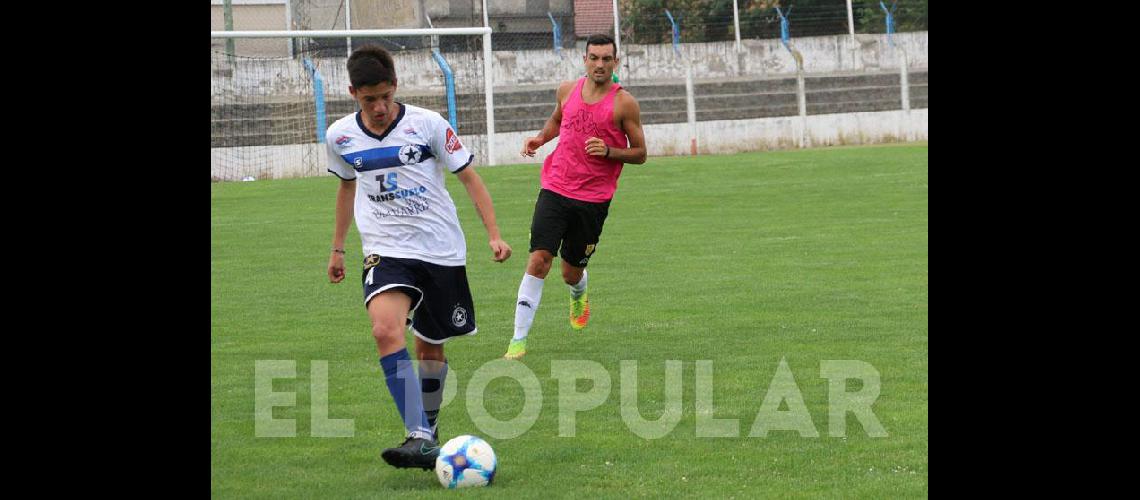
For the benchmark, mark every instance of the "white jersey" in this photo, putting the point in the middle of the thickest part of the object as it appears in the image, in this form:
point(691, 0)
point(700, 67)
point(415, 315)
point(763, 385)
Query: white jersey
point(402, 208)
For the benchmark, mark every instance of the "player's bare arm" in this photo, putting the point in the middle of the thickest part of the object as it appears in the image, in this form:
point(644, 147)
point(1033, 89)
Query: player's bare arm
point(550, 129)
point(627, 116)
point(486, 210)
point(345, 196)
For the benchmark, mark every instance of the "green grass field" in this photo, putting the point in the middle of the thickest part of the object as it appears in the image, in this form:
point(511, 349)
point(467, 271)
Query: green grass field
point(743, 260)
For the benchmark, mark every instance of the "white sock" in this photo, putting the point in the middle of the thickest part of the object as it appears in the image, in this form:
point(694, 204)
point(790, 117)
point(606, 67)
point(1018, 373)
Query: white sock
point(530, 294)
point(577, 290)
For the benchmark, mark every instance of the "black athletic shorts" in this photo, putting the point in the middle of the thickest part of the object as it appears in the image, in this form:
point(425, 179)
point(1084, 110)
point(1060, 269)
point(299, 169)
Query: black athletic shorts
point(441, 299)
point(573, 225)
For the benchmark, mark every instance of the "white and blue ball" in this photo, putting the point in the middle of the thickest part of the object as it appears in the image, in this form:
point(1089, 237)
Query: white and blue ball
point(465, 461)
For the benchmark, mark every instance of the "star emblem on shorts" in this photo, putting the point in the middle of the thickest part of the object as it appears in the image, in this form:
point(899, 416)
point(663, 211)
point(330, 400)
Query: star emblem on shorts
point(459, 316)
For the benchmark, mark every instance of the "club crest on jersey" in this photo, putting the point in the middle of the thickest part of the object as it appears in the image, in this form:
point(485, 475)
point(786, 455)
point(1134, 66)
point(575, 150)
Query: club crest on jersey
point(459, 316)
point(410, 154)
point(343, 140)
point(452, 142)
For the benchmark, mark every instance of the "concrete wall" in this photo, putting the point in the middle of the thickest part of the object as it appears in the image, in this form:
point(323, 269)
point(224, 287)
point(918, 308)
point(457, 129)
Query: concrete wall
point(650, 63)
point(272, 162)
point(718, 60)
point(713, 60)
point(821, 54)
point(370, 14)
point(252, 18)
point(713, 137)
point(761, 134)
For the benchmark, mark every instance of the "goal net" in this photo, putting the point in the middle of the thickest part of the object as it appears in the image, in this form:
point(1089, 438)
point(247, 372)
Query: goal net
point(270, 101)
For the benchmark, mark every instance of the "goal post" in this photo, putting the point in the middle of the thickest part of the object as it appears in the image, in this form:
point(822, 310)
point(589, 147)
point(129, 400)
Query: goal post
point(265, 110)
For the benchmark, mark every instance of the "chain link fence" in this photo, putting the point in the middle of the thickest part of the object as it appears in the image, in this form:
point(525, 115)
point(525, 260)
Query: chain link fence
point(260, 99)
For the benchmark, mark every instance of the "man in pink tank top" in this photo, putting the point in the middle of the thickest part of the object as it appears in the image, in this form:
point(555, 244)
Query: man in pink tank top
point(598, 126)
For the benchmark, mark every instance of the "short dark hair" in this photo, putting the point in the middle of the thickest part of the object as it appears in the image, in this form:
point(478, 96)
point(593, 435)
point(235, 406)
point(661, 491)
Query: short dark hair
point(370, 65)
point(601, 39)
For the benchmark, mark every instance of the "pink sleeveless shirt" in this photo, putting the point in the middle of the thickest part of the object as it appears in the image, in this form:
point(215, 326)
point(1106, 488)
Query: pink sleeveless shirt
point(569, 171)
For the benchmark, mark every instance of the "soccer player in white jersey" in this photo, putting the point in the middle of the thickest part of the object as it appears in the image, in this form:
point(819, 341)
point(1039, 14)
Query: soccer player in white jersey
point(390, 159)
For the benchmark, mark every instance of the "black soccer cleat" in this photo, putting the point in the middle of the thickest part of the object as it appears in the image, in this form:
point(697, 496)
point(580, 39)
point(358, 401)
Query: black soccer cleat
point(415, 452)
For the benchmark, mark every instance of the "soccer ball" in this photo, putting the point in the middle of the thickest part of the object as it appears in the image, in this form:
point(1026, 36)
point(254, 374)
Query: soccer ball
point(466, 461)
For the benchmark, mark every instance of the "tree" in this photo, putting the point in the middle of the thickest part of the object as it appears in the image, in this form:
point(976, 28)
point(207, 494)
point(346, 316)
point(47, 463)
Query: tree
point(911, 15)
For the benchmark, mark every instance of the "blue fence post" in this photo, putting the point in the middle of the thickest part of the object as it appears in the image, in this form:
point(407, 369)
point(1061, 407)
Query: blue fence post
point(676, 33)
point(904, 84)
point(801, 92)
point(319, 97)
point(890, 21)
point(785, 35)
point(557, 34)
point(449, 80)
